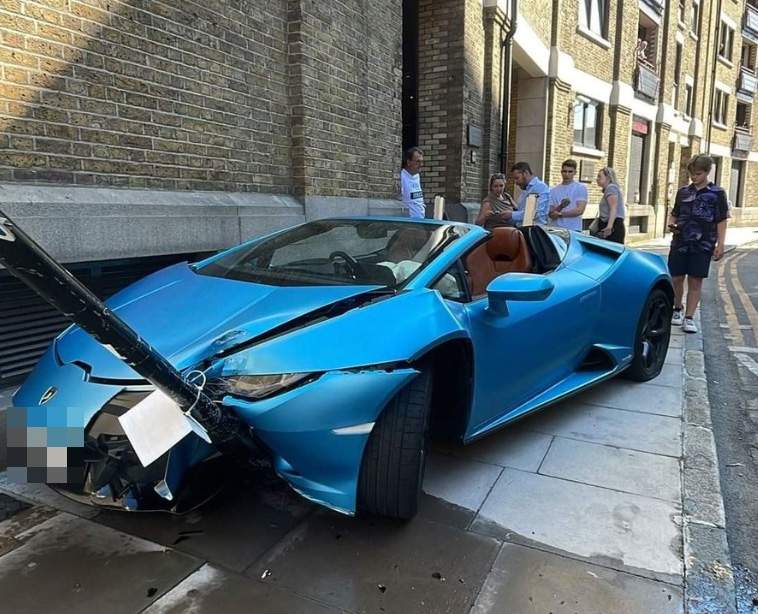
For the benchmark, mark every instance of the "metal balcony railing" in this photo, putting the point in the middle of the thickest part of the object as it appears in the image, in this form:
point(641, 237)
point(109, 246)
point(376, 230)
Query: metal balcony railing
point(742, 143)
point(656, 5)
point(747, 83)
point(750, 23)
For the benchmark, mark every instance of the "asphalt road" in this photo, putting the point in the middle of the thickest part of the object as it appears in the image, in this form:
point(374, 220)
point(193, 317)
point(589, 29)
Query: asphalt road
point(729, 316)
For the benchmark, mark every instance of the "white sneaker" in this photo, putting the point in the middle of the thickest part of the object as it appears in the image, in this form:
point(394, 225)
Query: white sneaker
point(689, 325)
point(678, 318)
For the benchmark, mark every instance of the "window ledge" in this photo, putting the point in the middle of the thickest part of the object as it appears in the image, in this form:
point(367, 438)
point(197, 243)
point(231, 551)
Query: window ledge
point(726, 61)
point(719, 125)
point(682, 25)
point(590, 152)
point(693, 36)
point(594, 37)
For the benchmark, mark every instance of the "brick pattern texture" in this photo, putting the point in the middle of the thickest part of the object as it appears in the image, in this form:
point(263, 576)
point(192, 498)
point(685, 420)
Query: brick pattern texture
point(228, 95)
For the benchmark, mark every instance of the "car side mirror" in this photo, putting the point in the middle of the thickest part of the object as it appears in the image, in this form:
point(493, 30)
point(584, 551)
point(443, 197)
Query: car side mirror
point(517, 287)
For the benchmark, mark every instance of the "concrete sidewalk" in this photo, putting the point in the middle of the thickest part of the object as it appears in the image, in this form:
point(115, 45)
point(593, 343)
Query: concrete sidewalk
point(605, 504)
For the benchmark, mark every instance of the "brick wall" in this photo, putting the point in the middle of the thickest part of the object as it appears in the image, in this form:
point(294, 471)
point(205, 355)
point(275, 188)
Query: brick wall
point(187, 95)
point(472, 174)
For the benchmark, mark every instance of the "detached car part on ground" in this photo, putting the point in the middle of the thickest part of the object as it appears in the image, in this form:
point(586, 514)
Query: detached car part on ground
point(340, 343)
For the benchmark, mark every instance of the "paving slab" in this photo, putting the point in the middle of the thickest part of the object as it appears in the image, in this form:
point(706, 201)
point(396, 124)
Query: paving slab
point(376, 565)
point(615, 528)
point(230, 531)
point(528, 581)
point(17, 517)
point(633, 396)
point(608, 426)
point(671, 376)
point(210, 590)
point(508, 447)
point(640, 473)
point(463, 482)
point(43, 494)
point(68, 564)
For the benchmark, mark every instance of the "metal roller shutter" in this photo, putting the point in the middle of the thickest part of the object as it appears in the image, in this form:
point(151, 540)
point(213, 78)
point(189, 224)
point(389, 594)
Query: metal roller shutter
point(28, 324)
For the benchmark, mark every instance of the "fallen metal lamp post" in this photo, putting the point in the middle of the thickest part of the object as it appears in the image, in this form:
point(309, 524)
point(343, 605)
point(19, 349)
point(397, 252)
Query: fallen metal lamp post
point(32, 265)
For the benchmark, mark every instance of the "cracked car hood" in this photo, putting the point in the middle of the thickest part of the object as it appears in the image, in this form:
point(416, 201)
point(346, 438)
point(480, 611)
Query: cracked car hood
point(188, 317)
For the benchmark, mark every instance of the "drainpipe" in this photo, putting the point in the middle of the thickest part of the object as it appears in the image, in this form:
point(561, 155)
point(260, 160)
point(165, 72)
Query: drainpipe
point(659, 125)
point(715, 58)
point(506, 65)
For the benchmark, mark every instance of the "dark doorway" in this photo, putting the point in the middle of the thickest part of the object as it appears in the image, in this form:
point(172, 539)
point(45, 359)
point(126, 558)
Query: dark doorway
point(410, 73)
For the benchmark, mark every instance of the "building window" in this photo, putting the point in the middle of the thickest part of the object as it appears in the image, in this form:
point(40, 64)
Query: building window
point(682, 11)
point(742, 117)
point(586, 123)
point(593, 15)
point(747, 57)
point(688, 99)
point(726, 42)
point(721, 107)
point(677, 76)
point(694, 16)
point(647, 41)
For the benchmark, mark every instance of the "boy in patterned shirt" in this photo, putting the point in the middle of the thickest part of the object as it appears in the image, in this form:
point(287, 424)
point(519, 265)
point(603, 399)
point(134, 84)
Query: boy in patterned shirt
point(698, 225)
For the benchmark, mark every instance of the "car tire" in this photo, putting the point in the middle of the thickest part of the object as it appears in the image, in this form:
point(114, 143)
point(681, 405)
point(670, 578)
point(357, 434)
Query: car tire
point(394, 460)
point(652, 339)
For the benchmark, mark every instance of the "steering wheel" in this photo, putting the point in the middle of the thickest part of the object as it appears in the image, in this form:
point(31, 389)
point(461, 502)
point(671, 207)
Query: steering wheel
point(347, 262)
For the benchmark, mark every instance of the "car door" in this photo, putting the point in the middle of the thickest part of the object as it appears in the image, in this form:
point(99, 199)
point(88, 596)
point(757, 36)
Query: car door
point(536, 345)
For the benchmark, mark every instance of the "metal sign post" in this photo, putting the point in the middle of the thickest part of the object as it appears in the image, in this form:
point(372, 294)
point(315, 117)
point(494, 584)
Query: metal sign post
point(25, 259)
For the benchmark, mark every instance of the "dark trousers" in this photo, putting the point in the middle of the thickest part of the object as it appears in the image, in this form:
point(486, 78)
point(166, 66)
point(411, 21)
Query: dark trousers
point(619, 230)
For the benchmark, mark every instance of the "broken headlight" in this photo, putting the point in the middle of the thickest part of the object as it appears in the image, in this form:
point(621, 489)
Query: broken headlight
point(261, 386)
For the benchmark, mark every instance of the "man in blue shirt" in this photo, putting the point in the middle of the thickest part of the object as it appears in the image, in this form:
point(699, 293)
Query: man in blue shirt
point(529, 184)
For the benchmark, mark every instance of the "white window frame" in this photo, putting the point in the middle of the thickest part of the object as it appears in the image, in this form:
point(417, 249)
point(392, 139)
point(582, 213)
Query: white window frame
point(585, 103)
point(593, 17)
point(726, 43)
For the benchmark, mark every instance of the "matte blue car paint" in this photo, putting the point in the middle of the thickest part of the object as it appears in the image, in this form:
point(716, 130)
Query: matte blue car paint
point(394, 329)
point(523, 361)
point(200, 310)
point(299, 426)
point(538, 344)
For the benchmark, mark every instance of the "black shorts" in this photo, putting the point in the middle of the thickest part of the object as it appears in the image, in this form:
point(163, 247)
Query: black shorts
point(695, 264)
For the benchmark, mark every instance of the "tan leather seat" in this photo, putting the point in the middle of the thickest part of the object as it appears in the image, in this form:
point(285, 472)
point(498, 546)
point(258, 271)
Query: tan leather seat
point(504, 252)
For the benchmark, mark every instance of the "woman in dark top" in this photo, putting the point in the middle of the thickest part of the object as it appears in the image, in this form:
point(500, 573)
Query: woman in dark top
point(612, 209)
point(496, 202)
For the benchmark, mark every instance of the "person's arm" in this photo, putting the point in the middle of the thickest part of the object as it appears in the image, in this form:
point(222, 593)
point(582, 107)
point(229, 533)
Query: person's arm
point(555, 205)
point(543, 207)
point(581, 205)
point(484, 212)
point(405, 190)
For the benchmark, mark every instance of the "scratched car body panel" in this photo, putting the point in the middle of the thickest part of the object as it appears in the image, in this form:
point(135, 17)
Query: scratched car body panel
point(334, 337)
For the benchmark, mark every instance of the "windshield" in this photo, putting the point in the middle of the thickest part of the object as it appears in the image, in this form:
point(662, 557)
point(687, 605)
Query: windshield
point(338, 253)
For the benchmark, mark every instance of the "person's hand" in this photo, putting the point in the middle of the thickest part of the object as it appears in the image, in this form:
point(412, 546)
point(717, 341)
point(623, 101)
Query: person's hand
point(718, 252)
point(553, 214)
point(506, 215)
point(606, 232)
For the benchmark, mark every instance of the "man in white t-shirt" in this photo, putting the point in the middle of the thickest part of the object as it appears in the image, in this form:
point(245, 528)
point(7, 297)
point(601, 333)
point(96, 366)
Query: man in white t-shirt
point(568, 199)
point(410, 182)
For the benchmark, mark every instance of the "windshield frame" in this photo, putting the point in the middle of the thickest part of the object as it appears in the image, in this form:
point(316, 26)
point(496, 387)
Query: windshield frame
point(367, 257)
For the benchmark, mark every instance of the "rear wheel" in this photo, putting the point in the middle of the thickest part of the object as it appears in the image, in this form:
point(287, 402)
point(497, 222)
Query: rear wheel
point(652, 340)
point(395, 457)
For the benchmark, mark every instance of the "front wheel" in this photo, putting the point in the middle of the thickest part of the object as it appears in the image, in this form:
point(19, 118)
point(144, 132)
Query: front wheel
point(394, 461)
point(652, 340)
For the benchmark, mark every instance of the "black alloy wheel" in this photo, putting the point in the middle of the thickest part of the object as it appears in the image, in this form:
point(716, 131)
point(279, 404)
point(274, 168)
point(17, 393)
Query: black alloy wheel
point(652, 340)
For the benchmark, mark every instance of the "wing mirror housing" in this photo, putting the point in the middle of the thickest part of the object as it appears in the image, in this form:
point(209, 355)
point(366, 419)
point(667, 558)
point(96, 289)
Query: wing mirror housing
point(517, 287)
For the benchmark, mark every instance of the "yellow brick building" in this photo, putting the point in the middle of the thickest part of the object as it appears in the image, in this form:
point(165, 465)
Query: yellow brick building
point(639, 86)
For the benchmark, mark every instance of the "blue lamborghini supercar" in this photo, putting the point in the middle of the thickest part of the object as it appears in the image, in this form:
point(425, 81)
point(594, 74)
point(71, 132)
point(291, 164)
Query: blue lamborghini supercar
point(342, 343)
